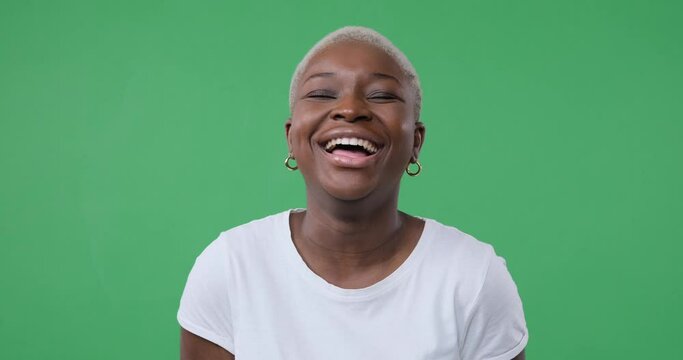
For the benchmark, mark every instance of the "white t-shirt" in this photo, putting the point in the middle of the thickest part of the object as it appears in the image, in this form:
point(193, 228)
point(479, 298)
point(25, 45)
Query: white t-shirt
point(251, 293)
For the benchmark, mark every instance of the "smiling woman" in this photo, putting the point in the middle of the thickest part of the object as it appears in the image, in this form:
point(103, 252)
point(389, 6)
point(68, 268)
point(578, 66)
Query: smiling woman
point(351, 276)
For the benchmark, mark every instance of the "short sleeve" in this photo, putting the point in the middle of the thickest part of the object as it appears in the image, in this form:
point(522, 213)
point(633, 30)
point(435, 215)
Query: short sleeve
point(495, 324)
point(205, 304)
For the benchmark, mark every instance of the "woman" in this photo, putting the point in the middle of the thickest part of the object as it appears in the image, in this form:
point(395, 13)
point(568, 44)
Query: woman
point(351, 276)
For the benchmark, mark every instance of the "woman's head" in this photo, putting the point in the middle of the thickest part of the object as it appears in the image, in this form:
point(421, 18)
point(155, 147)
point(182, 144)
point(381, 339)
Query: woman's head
point(355, 103)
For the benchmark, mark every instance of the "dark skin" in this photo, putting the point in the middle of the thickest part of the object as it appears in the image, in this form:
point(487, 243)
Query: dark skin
point(352, 233)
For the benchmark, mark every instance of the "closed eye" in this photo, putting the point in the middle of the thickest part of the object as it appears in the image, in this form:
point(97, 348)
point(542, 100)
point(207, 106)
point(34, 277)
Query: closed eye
point(321, 94)
point(383, 96)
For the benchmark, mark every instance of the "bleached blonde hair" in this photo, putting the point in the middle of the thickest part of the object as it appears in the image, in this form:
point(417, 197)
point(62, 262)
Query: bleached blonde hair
point(365, 35)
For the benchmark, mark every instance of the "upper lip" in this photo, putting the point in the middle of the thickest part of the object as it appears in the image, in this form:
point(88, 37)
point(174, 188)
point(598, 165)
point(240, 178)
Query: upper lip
point(350, 133)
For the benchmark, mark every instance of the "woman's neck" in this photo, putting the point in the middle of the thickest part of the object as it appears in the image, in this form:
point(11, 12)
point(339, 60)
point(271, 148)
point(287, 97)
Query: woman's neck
point(344, 240)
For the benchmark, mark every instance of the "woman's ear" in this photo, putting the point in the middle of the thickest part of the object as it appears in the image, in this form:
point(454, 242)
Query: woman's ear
point(288, 126)
point(418, 138)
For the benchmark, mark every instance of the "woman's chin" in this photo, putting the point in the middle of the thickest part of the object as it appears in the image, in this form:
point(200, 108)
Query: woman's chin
point(349, 191)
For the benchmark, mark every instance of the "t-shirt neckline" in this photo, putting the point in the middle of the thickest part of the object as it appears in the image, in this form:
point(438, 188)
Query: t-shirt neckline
point(313, 279)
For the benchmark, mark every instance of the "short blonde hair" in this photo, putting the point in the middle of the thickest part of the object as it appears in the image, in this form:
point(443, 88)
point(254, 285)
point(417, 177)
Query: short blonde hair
point(365, 35)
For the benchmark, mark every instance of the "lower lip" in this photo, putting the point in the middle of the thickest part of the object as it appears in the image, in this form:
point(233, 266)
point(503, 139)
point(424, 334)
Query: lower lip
point(350, 162)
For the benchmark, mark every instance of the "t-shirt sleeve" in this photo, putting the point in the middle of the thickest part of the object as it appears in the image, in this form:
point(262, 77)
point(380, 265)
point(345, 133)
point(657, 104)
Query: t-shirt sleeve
point(496, 328)
point(205, 304)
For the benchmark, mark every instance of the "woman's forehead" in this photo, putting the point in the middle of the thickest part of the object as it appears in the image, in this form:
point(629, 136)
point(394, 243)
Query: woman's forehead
point(353, 56)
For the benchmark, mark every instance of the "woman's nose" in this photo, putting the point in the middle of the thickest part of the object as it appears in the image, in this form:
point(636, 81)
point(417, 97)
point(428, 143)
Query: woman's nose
point(351, 108)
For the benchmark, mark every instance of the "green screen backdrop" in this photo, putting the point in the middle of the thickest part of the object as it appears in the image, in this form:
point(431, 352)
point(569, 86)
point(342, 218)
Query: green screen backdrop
point(133, 132)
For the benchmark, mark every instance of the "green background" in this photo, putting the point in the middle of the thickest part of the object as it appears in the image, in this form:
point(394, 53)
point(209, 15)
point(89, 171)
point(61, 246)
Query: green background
point(132, 133)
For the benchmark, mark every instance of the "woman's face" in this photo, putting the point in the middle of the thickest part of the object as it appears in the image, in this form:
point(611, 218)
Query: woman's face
point(353, 92)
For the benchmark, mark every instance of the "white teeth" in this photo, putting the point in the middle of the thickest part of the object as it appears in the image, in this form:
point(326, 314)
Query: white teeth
point(366, 144)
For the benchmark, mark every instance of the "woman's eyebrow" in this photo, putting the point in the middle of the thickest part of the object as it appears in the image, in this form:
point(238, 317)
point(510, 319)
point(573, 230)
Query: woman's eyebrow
point(375, 74)
point(386, 76)
point(322, 74)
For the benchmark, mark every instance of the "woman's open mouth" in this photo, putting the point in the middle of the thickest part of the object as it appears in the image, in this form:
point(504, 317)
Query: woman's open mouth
point(352, 147)
point(351, 151)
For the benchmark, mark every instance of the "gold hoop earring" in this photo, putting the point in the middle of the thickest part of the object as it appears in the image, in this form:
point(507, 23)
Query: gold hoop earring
point(415, 173)
point(288, 165)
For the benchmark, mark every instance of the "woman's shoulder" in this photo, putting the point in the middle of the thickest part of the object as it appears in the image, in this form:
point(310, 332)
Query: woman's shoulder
point(453, 251)
point(259, 235)
point(459, 258)
point(264, 225)
point(451, 240)
point(259, 230)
